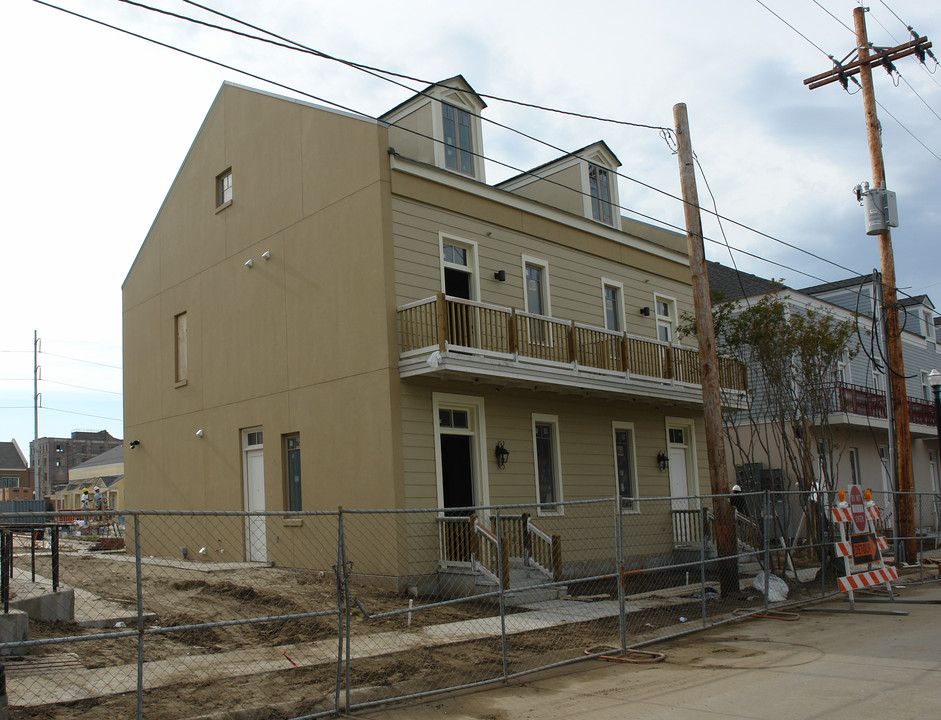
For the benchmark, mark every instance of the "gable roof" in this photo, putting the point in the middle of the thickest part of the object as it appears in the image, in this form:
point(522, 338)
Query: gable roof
point(837, 285)
point(109, 457)
point(457, 83)
point(727, 283)
point(599, 146)
point(11, 457)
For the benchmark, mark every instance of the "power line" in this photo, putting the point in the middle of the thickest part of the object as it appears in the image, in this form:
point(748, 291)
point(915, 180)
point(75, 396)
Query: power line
point(73, 412)
point(80, 387)
point(90, 362)
point(373, 71)
point(497, 162)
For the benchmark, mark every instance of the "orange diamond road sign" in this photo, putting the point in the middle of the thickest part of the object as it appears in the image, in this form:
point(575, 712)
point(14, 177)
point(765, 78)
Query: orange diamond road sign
point(858, 508)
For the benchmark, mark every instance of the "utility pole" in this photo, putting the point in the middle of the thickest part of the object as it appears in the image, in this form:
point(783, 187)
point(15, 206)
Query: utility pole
point(726, 537)
point(896, 369)
point(36, 492)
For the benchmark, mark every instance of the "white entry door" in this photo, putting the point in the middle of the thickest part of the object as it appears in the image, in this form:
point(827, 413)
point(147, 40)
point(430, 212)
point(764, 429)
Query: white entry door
point(679, 479)
point(256, 542)
point(678, 443)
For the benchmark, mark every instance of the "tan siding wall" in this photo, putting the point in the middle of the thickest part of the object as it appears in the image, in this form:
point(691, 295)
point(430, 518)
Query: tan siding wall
point(412, 135)
point(302, 342)
point(561, 189)
point(574, 275)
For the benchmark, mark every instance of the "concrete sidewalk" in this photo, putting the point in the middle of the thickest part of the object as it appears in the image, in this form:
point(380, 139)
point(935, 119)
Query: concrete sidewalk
point(834, 666)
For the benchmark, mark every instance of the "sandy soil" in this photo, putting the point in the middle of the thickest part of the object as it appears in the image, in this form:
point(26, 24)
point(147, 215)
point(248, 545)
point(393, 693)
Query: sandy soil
point(180, 596)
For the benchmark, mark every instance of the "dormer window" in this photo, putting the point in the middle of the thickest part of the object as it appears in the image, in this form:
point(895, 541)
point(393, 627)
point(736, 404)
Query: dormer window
point(441, 126)
point(600, 188)
point(458, 145)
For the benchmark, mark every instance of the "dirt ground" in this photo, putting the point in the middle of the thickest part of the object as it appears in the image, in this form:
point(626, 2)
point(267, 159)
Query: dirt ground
point(181, 596)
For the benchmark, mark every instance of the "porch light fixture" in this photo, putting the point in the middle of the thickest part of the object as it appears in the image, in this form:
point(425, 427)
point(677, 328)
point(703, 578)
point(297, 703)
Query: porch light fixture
point(645, 311)
point(934, 380)
point(133, 444)
point(662, 460)
point(500, 275)
point(501, 454)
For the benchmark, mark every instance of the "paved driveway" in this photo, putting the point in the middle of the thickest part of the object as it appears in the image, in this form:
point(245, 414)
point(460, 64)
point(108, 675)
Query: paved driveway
point(833, 666)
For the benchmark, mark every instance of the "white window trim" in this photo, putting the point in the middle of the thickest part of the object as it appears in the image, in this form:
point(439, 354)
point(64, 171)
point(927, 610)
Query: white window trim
point(478, 430)
point(455, 99)
point(605, 282)
point(615, 199)
point(632, 460)
point(472, 261)
point(544, 264)
point(552, 420)
point(672, 302)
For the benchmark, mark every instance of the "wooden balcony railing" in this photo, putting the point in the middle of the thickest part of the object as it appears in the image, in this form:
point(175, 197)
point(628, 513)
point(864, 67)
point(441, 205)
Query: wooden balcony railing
point(860, 400)
point(489, 330)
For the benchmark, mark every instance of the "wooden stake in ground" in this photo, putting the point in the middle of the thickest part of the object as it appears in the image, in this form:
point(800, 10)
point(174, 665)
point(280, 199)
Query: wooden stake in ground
point(726, 539)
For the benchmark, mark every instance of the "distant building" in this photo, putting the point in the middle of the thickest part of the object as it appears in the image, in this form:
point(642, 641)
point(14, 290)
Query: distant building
point(105, 471)
point(14, 472)
point(55, 456)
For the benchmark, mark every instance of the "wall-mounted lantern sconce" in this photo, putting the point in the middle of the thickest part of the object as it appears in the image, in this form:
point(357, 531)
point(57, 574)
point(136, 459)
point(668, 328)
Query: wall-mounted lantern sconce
point(133, 444)
point(501, 454)
point(500, 275)
point(645, 311)
point(249, 263)
point(266, 254)
point(662, 460)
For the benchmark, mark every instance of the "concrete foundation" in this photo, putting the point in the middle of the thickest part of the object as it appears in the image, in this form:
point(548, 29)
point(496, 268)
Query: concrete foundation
point(14, 627)
point(48, 607)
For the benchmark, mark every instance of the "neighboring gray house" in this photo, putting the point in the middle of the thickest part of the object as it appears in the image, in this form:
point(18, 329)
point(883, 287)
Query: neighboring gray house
point(858, 416)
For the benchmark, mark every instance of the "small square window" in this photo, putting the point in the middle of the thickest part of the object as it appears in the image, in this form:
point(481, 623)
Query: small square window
point(224, 188)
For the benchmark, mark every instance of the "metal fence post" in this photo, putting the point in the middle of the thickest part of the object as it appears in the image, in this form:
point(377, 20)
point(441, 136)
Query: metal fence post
point(140, 618)
point(619, 566)
point(703, 524)
point(504, 581)
point(765, 531)
point(921, 543)
point(822, 550)
point(342, 617)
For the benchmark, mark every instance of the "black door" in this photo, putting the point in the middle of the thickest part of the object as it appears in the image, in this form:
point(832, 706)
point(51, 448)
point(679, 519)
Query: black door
point(460, 330)
point(457, 472)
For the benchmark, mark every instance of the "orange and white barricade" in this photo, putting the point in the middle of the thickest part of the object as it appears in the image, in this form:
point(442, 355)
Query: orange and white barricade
point(862, 546)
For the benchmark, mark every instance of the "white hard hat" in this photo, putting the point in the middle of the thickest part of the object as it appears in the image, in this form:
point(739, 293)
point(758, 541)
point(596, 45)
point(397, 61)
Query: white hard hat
point(736, 488)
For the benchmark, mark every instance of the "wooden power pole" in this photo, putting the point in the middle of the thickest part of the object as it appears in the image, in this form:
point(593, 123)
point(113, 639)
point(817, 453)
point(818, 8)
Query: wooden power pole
point(896, 368)
point(726, 537)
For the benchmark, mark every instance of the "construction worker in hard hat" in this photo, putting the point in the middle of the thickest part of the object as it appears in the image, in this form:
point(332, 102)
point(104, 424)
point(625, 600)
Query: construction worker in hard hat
point(84, 498)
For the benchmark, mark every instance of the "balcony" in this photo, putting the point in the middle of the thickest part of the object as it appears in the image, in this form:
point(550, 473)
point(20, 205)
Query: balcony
point(450, 337)
point(869, 403)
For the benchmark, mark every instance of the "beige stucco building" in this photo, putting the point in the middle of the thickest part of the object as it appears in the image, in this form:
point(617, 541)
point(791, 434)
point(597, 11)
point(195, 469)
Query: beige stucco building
point(353, 294)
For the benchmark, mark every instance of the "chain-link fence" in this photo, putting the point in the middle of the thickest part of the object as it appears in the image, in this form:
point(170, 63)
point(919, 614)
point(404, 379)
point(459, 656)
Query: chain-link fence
point(178, 614)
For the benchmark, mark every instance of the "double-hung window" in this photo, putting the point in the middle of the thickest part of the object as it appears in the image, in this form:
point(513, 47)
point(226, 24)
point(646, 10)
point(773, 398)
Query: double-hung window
point(613, 306)
point(666, 318)
point(599, 186)
point(458, 139)
point(223, 189)
point(624, 466)
point(548, 470)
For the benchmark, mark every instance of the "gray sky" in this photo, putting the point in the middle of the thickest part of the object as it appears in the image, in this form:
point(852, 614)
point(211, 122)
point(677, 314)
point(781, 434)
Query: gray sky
point(96, 124)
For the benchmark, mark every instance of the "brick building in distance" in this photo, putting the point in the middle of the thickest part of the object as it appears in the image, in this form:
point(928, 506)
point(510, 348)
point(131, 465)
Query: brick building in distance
point(54, 456)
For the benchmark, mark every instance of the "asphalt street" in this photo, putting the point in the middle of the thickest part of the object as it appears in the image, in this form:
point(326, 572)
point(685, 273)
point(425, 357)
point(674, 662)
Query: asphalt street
point(824, 665)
